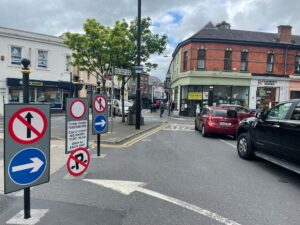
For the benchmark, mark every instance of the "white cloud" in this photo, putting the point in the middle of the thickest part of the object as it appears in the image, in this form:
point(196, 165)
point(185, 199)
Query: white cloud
point(57, 16)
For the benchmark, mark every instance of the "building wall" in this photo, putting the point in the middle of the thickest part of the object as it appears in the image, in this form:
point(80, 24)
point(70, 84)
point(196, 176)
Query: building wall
point(30, 43)
point(257, 57)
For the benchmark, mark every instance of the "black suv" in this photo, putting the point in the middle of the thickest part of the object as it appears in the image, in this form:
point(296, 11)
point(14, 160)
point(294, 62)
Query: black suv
point(273, 135)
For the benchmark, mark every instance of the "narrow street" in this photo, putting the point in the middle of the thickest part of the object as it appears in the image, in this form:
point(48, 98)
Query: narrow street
point(183, 179)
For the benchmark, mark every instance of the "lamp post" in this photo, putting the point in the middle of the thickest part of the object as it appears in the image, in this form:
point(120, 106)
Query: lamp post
point(138, 77)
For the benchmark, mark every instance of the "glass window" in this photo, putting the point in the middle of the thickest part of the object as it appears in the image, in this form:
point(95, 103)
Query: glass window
point(49, 95)
point(16, 55)
point(279, 112)
point(68, 63)
point(201, 59)
point(297, 64)
point(270, 62)
point(42, 59)
point(222, 95)
point(296, 113)
point(227, 60)
point(16, 94)
point(240, 96)
point(295, 94)
point(185, 61)
point(244, 61)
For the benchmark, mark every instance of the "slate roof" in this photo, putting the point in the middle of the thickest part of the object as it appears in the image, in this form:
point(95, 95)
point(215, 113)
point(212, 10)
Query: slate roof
point(209, 31)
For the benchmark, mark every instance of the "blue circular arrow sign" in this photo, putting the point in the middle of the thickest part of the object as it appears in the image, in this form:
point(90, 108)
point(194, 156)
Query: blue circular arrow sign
point(27, 166)
point(100, 123)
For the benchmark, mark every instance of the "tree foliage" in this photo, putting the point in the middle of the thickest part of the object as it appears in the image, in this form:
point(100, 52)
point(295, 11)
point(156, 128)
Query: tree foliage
point(100, 45)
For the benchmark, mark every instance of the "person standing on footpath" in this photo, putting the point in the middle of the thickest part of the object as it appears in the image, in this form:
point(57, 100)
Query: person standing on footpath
point(162, 109)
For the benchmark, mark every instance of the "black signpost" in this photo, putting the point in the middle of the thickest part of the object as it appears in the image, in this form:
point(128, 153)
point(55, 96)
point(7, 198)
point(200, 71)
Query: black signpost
point(98, 135)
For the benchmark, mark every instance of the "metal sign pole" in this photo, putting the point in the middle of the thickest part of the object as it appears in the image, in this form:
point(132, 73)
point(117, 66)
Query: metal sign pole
point(112, 99)
point(98, 135)
point(25, 71)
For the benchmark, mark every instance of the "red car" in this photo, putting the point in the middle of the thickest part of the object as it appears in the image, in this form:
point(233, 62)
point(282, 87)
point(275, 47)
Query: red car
point(242, 111)
point(216, 120)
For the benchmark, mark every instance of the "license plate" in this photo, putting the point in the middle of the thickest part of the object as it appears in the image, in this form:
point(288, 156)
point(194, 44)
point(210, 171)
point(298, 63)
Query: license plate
point(225, 124)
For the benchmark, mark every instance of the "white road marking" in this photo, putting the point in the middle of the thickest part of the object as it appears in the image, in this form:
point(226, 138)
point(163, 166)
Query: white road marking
point(36, 215)
point(94, 156)
point(178, 118)
point(232, 145)
point(127, 187)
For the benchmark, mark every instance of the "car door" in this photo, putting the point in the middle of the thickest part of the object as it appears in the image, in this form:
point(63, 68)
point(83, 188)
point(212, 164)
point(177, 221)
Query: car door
point(291, 135)
point(242, 113)
point(268, 131)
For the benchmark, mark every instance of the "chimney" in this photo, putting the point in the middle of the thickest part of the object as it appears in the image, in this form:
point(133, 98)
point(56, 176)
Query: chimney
point(223, 25)
point(285, 33)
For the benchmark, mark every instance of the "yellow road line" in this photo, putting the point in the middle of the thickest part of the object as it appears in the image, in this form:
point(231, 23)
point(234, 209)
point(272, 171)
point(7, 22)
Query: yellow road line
point(137, 139)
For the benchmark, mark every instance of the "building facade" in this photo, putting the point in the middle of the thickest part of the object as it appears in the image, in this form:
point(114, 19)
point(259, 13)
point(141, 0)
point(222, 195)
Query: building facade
point(145, 92)
point(50, 69)
point(219, 65)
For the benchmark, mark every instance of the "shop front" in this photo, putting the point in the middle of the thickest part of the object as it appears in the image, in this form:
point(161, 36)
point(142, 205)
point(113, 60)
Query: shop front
point(40, 91)
point(294, 87)
point(265, 92)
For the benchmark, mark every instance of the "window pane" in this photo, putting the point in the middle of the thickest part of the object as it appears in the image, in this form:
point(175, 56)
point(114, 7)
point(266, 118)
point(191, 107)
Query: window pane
point(201, 54)
point(270, 58)
point(185, 59)
point(279, 112)
point(49, 95)
point(240, 96)
point(227, 60)
point(16, 55)
point(297, 64)
point(42, 59)
point(244, 56)
point(269, 67)
point(201, 64)
point(243, 66)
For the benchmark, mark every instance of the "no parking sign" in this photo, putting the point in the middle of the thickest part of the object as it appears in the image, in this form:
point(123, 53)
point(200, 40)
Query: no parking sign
point(77, 124)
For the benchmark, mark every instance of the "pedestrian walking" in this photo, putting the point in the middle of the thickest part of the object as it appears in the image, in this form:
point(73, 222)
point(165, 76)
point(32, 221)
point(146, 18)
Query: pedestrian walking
point(162, 109)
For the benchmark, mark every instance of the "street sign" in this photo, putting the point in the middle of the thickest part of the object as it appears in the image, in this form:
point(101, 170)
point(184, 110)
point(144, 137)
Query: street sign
point(77, 124)
point(78, 161)
point(26, 146)
point(123, 72)
point(27, 125)
point(100, 114)
point(77, 109)
point(100, 103)
point(100, 123)
point(139, 69)
point(27, 166)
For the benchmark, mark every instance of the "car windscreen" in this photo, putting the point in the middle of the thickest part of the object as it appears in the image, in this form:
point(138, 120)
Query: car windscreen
point(219, 113)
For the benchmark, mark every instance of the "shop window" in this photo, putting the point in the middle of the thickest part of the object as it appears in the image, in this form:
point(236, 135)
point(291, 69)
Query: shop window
point(295, 95)
point(68, 63)
point(16, 94)
point(49, 95)
point(244, 61)
point(185, 61)
point(201, 59)
point(15, 55)
point(227, 60)
point(42, 61)
point(222, 95)
point(270, 62)
point(240, 96)
point(297, 64)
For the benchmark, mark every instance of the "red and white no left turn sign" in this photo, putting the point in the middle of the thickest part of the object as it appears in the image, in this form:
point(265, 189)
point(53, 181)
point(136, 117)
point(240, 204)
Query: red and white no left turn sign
point(78, 161)
point(77, 109)
point(27, 125)
point(100, 103)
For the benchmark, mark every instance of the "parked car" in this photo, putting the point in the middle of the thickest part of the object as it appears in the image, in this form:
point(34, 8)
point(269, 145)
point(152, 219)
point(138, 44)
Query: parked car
point(117, 107)
point(216, 120)
point(273, 135)
point(242, 111)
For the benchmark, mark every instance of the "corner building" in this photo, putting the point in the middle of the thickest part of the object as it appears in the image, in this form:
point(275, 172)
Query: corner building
point(219, 65)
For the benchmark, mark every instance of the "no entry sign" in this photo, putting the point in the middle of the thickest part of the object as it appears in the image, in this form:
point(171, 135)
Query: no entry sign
point(100, 103)
point(77, 124)
point(78, 161)
point(26, 146)
point(27, 125)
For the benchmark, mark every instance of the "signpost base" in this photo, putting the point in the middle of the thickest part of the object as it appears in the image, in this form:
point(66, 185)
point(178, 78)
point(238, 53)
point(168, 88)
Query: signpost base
point(27, 203)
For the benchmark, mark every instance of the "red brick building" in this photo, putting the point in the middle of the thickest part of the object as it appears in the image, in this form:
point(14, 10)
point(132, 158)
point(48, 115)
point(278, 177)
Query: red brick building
point(219, 65)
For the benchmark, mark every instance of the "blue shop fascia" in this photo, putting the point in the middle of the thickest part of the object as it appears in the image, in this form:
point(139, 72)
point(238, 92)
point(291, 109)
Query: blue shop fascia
point(41, 91)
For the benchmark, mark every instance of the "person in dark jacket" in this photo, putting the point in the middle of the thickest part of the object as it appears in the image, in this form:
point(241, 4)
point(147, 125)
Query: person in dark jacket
point(162, 109)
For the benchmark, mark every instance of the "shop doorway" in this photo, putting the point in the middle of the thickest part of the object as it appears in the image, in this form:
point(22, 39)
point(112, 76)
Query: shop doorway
point(267, 97)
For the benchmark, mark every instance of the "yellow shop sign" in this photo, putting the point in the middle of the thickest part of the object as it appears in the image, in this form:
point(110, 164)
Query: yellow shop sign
point(195, 96)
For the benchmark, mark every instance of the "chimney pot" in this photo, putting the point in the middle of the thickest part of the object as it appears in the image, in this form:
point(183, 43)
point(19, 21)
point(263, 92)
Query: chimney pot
point(285, 33)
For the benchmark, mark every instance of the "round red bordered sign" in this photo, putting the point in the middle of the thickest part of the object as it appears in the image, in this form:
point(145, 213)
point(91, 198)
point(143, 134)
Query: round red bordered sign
point(100, 103)
point(77, 109)
point(27, 125)
point(78, 161)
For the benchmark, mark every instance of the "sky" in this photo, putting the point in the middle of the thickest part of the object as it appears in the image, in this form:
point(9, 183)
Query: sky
point(178, 19)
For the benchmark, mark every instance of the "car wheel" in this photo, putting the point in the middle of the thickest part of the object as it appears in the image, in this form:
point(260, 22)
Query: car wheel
point(203, 131)
point(196, 128)
point(244, 146)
